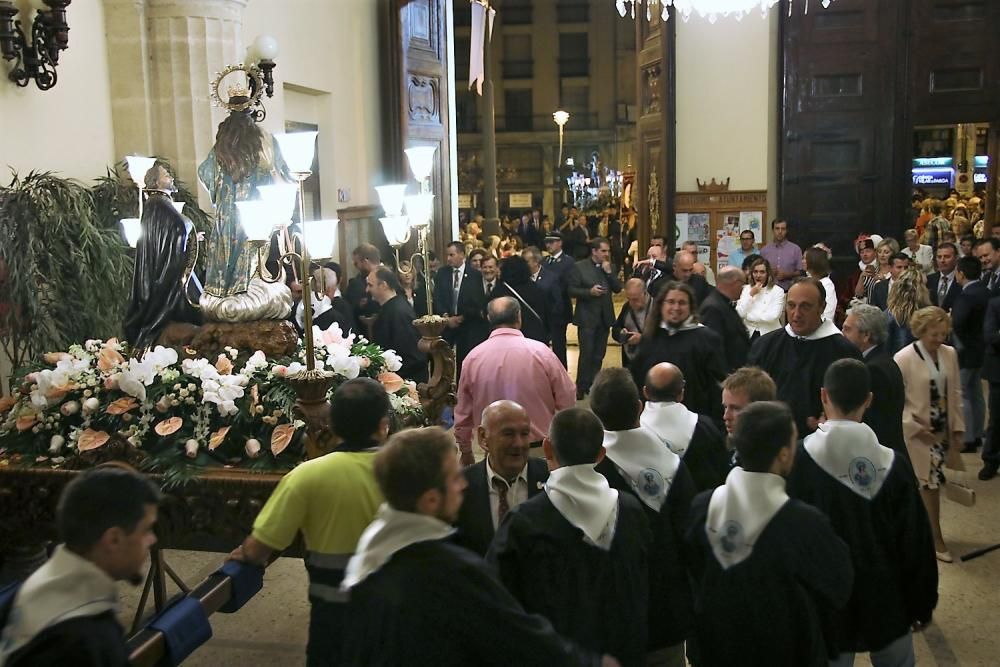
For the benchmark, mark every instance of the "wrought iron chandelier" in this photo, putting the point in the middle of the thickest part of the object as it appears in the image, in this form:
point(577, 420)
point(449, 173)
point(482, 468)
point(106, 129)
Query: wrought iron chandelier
point(710, 9)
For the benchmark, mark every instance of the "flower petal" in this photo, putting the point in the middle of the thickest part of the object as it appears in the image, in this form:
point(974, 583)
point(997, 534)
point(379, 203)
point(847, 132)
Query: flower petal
point(280, 437)
point(122, 405)
point(169, 426)
point(216, 438)
point(91, 439)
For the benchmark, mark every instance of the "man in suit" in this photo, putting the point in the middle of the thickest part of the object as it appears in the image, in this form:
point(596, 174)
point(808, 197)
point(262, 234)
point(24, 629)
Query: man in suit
point(394, 330)
point(591, 283)
point(490, 269)
point(459, 296)
point(366, 259)
point(967, 316)
point(506, 477)
point(684, 272)
point(880, 293)
point(866, 327)
point(719, 314)
point(559, 264)
point(988, 253)
point(656, 270)
point(991, 373)
point(941, 284)
point(548, 282)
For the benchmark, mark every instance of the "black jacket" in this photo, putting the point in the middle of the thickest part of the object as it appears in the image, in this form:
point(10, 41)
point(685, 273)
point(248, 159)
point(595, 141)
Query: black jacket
point(471, 306)
point(88, 641)
point(592, 311)
point(698, 353)
point(560, 269)
point(885, 415)
point(394, 330)
point(475, 520)
point(718, 314)
point(953, 290)
point(991, 339)
point(534, 325)
point(880, 294)
point(968, 313)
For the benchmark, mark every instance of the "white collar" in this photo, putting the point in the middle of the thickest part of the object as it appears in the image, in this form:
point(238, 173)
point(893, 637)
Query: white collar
point(67, 586)
point(557, 255)
point(686, 325)
point(491, 473)
point(585, 499)
point(390, 532)
point(739, 511)
point(645, 462)
point(672, 423)
point(851, 454)
point(825, 330)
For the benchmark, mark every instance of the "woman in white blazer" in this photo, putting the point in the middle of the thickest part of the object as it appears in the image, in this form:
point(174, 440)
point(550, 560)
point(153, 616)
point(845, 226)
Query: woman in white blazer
point(933, 425)
point(761, 303)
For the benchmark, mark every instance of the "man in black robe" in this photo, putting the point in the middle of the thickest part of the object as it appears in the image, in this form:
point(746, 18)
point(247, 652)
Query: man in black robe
point(797, 356)
point(393, 328)
point(416, 598)
point(637, 463)
point(163, 284)
point(767, 570)
point(868, 493)
point(580, 548)
point(718, 313)
point(366, 258)
point(693, 437)
point(867, 328)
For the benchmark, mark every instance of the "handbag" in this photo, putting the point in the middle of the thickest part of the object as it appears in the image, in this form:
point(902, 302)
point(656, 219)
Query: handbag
point(956, 489)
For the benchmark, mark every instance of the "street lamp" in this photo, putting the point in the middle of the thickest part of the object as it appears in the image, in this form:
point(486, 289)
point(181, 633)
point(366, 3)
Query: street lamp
point(560, 117)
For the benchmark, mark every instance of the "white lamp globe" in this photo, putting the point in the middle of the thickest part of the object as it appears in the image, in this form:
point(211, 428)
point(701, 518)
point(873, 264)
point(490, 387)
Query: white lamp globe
point(132, 229)
point(298, 149)
point(420, 208)
point(280, 199)
point(256, 219)
point(396, 229)
point(266, 47)
point(320, 236)
point(421, 160)
point(391, 198)
point(560, 117)
point(138, 165)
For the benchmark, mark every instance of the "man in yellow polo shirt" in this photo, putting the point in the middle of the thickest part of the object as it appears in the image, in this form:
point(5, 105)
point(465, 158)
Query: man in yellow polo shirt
point(331, 500)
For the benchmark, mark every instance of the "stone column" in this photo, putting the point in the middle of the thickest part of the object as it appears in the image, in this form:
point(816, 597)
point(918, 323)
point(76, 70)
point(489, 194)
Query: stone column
point(128, 68)
point(190, 41)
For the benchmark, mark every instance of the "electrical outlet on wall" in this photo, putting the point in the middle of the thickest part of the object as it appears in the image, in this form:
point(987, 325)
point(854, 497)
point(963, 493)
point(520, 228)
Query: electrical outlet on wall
point(343, 195)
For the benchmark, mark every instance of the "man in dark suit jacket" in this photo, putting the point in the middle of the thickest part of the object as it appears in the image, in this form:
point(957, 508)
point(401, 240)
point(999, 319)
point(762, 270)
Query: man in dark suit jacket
point(866, 327)
point(366, 259)
point(991, 373)
point(987, 251)
point(502, 480)
point(393, 329)
point(683, 266)
point(559, 264)
point(968, 313)
point(946, 258)
point(880, 293)
point(719, 314)
point(591, 283)
point(459, 295)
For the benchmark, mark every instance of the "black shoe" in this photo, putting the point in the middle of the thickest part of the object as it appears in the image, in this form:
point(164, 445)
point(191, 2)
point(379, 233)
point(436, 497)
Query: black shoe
point(988, 472)
point(581, 394)
point(971, 447)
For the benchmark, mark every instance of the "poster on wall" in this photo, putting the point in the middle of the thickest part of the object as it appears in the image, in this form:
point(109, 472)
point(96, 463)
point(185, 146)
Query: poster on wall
point(731, 224)
point(680, 230)
point(699, 228)
point(705, 254)
point(726, 245)
point(753, 220)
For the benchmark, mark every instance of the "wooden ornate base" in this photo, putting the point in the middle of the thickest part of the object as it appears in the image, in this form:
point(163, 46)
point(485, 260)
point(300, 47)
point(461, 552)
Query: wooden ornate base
point(275, 338)
point(439, 392)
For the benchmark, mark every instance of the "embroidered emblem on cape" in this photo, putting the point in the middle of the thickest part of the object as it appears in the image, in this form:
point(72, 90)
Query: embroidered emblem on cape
point(731, 537)
point(862, 472)
point(650, 482)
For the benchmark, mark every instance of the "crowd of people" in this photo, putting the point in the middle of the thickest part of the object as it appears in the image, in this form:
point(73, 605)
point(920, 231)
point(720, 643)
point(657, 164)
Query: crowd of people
point(758, 483)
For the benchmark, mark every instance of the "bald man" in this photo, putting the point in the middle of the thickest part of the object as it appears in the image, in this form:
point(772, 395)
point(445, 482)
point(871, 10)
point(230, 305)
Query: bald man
point(505, 478)
point(718, 313)
point(693, 437)
point(627, 329)
point(684, 272)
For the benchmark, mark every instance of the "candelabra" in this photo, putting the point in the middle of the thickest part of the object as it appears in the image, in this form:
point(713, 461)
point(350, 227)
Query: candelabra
point(35, 60)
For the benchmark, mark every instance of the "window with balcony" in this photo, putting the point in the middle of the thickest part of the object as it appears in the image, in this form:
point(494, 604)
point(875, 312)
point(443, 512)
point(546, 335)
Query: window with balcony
point(517, 60)
point(574, 58)
point(517, 111)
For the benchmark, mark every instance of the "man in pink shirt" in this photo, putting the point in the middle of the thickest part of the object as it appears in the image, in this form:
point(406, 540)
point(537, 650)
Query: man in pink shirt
point(509, 366)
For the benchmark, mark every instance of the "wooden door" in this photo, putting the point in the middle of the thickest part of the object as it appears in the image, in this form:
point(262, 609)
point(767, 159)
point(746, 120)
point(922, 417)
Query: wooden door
point(843, 170)
point(655, 180)
point(415, 86)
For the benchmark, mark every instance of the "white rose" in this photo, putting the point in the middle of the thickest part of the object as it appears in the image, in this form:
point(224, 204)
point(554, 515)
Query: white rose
point(56, 443)
point(91, 404)
point(252, 448)
point(191, 448)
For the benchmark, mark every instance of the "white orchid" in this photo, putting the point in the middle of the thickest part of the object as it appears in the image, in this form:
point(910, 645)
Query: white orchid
point(256, 362)
point(198, 367)
point(341, 362)
point(223, 390)
point(393, 362)
point(138, 375)
point(161, 357)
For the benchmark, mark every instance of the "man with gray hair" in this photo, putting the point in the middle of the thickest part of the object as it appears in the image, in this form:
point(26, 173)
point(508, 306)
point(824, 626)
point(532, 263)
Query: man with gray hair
point(867, 327)
point(509, 366)
point(718, 313)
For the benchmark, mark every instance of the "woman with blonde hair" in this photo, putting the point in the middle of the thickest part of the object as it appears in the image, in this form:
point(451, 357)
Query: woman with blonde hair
point(884, 251)
point(907, 295)
point(762, 302)
point(920, 254)
point(933, 424)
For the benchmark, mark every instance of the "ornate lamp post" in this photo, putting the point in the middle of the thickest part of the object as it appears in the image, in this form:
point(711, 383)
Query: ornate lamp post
point(560, 117)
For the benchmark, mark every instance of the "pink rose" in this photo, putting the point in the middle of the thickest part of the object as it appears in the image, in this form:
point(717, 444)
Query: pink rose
point(224, 365)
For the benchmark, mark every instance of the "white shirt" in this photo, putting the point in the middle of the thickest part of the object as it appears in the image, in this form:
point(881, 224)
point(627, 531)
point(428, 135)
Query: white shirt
point(831, 298)
point(761, 313)
point(923, 257)
point(516, 494)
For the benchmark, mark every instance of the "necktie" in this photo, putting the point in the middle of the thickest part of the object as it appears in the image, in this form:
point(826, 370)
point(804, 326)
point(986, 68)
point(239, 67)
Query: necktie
point(942, 290)
point(550, 260)
point(454, 287)
point(501, 487)
point(489, 286)
point(993, 281)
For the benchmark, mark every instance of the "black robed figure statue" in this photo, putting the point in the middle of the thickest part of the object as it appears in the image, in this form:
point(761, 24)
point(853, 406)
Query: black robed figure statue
point(164, 286)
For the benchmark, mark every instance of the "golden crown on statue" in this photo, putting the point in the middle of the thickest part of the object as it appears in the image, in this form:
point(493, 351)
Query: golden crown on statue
point(239, 89)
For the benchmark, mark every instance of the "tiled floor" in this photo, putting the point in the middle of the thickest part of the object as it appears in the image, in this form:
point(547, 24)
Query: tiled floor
point(272, 628)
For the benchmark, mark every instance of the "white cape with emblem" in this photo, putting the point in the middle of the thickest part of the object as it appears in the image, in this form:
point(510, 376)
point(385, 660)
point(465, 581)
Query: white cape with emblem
point(739, 511)
point(644, 461)
point(851, 454)
point(672, 423)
